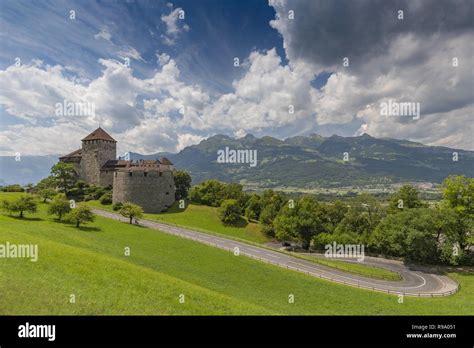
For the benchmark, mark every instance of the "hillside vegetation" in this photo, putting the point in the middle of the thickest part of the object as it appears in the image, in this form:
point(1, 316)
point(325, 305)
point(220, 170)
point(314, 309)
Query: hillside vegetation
point(89, 262)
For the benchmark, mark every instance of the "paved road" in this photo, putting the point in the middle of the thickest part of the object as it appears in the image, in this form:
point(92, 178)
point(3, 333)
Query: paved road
point(413, 283)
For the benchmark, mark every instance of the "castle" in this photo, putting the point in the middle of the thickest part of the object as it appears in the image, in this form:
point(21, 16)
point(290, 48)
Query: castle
point(150, 184)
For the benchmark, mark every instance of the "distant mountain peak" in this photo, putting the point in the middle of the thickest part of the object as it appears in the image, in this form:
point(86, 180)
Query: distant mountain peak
point(248, 136)
point(306, 162)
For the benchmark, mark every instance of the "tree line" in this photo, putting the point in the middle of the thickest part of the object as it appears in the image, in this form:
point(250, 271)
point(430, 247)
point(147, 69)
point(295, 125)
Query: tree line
point(404, 226)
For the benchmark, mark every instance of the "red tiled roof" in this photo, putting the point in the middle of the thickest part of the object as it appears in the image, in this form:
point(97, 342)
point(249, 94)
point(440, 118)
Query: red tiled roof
point(76, 153)
point(164, 160)
point(99, 134)
point(144, 165)
point(115, 164)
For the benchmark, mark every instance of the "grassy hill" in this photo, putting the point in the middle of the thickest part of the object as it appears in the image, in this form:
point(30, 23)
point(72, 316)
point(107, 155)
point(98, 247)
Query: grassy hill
point(90, 263)
point(203, 218)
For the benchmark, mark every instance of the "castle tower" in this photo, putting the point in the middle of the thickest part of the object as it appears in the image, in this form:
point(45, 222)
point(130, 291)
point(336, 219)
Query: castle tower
point(97, 148)
point(150, 184)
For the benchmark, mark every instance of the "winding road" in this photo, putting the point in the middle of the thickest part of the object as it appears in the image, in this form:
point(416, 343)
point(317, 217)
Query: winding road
point(414, 282)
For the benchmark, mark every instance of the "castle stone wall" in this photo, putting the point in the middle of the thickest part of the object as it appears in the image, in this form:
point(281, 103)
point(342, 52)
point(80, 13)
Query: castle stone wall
point(106, 178)
point(153, 191)
point(94, 155)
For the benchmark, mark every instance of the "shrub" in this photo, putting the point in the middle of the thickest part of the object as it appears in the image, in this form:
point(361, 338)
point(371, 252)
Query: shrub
point(106, 198)
point(13, 188)
point(229, 211)
point(95, 192)
point(89, 197)
point(117, 206)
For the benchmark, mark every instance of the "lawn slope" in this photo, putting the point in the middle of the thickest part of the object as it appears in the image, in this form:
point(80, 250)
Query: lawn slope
point(201, 217)
point(90, 263)
point(205, 219)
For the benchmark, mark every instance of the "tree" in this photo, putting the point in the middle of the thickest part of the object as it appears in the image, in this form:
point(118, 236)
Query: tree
point(355, 223)
point(271, 203)
point(80, 215)
point(79, 189)
point(59, 206)
point(13, 188)
point(46, 193)
point(213, 192)
point(229, 211)
point(367, 205)
point(64, 175)
point(7, 206)
point(182, 181)
point(253, 207)
point(335, 213)
point(130, 210)
point(458, 193)
point(48, 182)
point(209, 192)
point(451, 235)
point(272, 197)
point(410, 234)
point(407, 197)
point(23, 204)
point(235, 191)
point(302, 222)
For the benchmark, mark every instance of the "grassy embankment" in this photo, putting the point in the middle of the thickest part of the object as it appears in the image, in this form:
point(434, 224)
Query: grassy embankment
point(205, 219)
point(89, 262)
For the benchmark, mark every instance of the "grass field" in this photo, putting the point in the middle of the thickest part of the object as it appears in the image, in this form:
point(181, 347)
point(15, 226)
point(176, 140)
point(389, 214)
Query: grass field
point(205, 219)
point(90, 263)
point(365, 270)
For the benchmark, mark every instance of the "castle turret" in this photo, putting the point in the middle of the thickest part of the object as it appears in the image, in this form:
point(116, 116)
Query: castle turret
point(150, 184)
point(97, 148)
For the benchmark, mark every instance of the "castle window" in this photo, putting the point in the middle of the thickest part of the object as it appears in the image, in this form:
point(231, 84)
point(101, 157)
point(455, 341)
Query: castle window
point(167, 193)
point(160, 173)
point(129, 173)
point(145, 173)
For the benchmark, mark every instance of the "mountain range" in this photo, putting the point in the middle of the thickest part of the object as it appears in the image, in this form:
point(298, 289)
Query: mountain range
point(304, 162)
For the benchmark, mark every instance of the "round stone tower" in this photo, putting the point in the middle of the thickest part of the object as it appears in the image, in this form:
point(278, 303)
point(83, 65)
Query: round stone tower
point(152, 188)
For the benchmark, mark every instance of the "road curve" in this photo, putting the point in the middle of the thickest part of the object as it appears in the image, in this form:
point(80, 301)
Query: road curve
point(414, 282)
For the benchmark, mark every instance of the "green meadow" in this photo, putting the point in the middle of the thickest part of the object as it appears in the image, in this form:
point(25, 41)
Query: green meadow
point(90, 263)
point(205, 219)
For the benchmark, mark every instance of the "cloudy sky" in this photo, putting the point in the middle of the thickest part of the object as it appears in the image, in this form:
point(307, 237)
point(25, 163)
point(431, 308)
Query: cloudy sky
point(162, 75)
